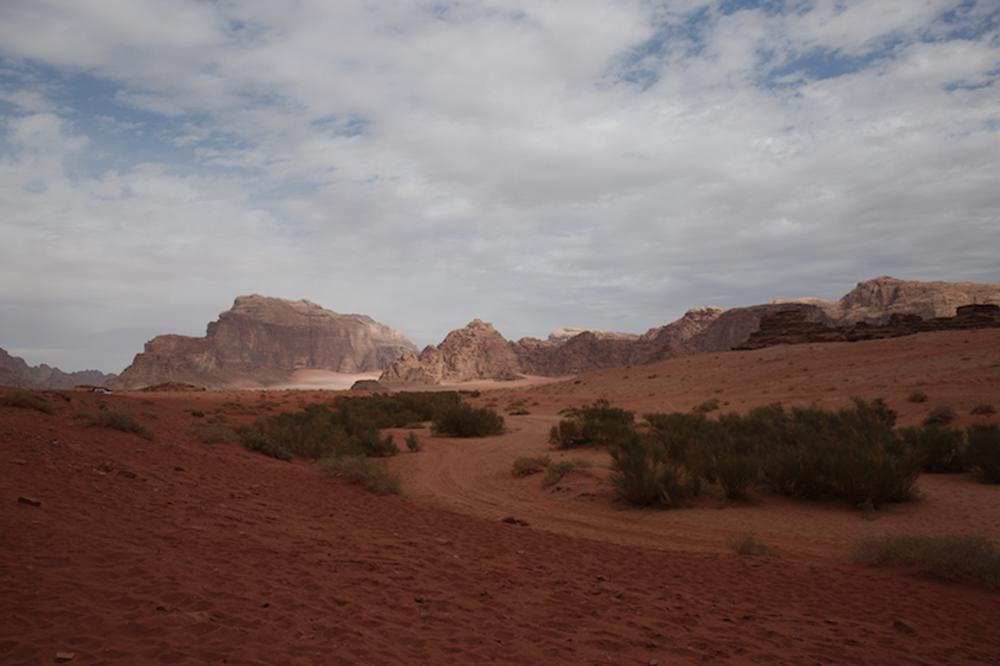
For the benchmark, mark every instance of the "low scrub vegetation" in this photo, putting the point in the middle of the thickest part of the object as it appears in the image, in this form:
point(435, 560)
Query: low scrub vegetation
point(528, 465)
point(940, 449)
point(984, 409)
point(939, 416)
point(214, 433)
point(984, 450)
point(852, 454)
point(27, 400)
point(123, 421)
point(347, 426)
point(947, 558)
point(917, 396)
point(413, 443)
point(707, 406)
point(464, 420)
point(364, 472)
point(599, 423)
point(557, 470)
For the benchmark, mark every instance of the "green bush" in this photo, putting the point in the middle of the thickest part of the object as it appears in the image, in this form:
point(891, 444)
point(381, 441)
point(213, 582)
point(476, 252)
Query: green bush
point(643, 476)
point(213, 433)
point(259, 442)
point(464, 420)
point(941, 450)
point(123, 421)
point(707, 406)
point(948, 558)
point(984, 409)
point(27, 400)
point(737, 473)
point(984, 450)
point(599, 423)
point(364, 472)
point(526, 466)
point(556, 471)
point(939, 416)
point(413, 443)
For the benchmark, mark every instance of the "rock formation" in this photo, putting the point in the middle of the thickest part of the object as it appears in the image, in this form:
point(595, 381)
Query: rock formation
point(14, 371)
point(789, 327)
point(262, 341)
point(479, 352)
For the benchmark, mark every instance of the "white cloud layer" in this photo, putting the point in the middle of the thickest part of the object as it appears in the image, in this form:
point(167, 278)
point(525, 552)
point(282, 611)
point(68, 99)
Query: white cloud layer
point(537, 164)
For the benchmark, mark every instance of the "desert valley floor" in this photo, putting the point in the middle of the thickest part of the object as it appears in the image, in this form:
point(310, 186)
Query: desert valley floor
point(180, 552)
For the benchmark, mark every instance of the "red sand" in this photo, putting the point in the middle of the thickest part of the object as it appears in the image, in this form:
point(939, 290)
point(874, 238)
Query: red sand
point(236, 558)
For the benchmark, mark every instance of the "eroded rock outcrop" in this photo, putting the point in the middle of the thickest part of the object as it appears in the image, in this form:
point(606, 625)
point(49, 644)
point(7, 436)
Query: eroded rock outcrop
point(263, 340)
point(700, 330)
point(15, 371)
point(791, 327)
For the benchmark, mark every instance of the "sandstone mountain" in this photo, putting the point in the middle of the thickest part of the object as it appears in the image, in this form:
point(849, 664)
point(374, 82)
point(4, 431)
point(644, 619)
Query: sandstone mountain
point(478, 351)
point(14, 371)
point(262, 341)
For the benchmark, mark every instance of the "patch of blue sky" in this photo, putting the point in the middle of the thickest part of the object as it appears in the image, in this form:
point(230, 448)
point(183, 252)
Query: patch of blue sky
point(962, 23)
point(120, 135)
point(340, 125)
point(640, 65)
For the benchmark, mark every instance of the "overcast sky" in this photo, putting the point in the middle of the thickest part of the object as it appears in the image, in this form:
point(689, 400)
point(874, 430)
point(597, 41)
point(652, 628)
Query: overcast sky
point(536, 164)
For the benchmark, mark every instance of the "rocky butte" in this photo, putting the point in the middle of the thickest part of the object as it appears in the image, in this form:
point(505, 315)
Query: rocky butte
point(262, 341)
point(479, 351)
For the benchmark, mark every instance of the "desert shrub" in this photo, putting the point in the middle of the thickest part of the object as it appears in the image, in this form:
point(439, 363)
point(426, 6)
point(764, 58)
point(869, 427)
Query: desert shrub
point(364, 472)
point(518, 411)
point(688, 439)
point(464, 420)
point(213, 433)
point(197, 413)
point(642, 475)
point(983, 410)
point(939, 416)
point(707, 406)
point(948, 558)
point(123, 421)
point(747, 544)
point(27, 400)
point(556, 471)
point(526, 465)
point(737, 473)
point(917, 396)
point(395, 410)
point(941, 450)
point(259, 442)
point(984, 450)
point(372, 444)
point(413, 443)
point(599, 423)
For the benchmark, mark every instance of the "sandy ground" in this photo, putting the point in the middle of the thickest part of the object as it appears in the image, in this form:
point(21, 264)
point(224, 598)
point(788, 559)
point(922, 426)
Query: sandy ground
point(175, 551)
point(308, 379)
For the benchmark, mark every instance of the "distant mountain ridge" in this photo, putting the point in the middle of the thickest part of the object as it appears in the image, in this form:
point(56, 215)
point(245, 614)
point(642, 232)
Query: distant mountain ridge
point(479, 351)
point(15, 371)
point(261, 341)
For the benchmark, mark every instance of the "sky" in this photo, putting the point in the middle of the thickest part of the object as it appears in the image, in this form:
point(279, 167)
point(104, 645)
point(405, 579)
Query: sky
point(605, 164)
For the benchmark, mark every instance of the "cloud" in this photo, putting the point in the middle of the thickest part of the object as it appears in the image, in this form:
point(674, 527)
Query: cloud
point(599, 163)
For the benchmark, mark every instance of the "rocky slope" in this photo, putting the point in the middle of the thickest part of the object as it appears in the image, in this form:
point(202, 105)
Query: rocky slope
point(14, 371)
point(478, 351)
point(263, 340)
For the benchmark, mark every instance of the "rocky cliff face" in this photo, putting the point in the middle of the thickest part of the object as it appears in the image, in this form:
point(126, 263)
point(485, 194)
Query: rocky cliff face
point(14, 371)
point(700, 330)
point(476, 351)
point(263, 340)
